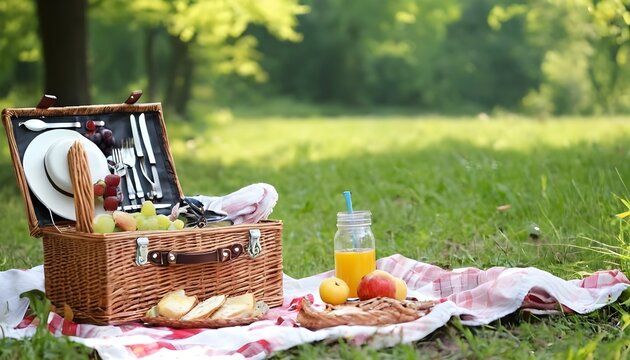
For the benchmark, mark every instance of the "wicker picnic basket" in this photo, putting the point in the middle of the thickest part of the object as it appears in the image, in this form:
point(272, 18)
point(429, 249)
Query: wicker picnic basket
point(115, 278)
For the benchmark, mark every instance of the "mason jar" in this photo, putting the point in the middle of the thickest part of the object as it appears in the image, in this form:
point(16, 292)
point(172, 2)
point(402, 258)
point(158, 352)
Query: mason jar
point(355, 254)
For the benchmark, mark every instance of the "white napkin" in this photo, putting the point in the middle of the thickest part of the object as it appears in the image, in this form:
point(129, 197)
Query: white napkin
point(247, 205)
point(12, 284)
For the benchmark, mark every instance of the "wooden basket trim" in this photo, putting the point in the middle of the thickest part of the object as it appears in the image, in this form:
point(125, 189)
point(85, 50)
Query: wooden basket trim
point(80, 110)
point(71, 232)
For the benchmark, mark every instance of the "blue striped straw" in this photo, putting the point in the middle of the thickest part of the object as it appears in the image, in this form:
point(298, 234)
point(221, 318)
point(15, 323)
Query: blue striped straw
point(348, 196)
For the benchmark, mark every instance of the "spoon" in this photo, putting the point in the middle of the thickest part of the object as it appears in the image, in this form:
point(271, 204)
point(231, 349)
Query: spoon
point(39, 125)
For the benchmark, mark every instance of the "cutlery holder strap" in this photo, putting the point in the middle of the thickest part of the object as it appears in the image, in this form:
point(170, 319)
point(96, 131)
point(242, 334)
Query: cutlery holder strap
point(219, 255)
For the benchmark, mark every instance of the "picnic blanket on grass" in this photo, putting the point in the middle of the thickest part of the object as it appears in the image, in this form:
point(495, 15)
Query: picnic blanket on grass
point(476, 296)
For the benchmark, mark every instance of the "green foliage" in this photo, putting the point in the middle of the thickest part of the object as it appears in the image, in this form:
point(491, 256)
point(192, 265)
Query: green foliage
point(363, 51)
point(541, 57)
point(586, 44)
point(42, 345)
point(483, 67)
point(534, 56)
point(19, 44)
point(118, 60)
point(210, 34)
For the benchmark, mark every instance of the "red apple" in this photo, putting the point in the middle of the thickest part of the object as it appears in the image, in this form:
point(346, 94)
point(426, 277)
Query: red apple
point(375, 284)
point(99, 188)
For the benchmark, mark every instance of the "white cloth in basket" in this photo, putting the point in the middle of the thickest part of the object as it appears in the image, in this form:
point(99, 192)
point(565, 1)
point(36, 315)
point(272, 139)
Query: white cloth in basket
point(247, 205)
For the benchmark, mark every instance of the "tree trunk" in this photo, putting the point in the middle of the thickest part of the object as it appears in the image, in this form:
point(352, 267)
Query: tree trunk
point(179, 83)
point(63, 31)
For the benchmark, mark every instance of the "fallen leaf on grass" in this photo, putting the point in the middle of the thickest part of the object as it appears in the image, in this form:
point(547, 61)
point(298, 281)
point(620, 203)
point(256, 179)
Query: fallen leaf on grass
point(68, 314)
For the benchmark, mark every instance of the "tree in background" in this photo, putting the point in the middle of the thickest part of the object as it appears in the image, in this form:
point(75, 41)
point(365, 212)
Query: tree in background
point(482, 69)
point(430, 54)
point(362, 52)
point(204, 34)
point(612, 46)
point(63, 34)
point(152, 43)
point(61, 27)
point(545, 57)
point(19, 46)
point(586, 44)
point(539, 56)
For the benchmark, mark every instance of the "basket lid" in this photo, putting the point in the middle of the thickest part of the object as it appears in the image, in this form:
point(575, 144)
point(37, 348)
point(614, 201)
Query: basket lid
point(45, 193)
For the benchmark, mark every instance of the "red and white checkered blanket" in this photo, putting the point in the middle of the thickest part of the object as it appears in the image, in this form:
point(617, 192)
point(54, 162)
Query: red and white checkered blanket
point(476, 296)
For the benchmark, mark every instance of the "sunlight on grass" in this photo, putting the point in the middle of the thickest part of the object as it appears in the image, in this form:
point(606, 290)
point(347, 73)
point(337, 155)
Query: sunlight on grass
point(281, 142)
point(434, 186)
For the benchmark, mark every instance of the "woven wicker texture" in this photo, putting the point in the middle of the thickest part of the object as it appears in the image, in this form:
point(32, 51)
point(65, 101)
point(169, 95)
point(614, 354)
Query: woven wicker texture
point(373, 312)
point(82, 186)
point(205, 323)
point(96, 274)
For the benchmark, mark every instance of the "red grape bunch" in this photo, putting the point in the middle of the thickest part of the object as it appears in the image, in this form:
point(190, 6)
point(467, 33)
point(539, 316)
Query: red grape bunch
point(109, 191)
point(102, 137)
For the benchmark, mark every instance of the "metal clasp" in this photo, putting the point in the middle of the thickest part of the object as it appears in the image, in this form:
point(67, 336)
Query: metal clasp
point(253, 247)
point(142, 251)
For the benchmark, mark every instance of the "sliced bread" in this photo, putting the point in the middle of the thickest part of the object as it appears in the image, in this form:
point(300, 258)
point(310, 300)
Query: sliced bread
point(176, 304)
point(235, 307)
point(205, 308)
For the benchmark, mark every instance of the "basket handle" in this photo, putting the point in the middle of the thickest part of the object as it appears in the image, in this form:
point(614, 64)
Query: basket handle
point(219, 255)
point(82, 186)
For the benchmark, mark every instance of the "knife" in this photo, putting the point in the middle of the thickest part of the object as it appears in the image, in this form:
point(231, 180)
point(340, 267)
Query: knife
point(136, 137)
point(136, 144)
point(150, 155)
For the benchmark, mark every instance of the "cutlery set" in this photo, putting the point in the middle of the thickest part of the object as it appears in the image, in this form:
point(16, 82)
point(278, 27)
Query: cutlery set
point(130, 156)
point(126, 159)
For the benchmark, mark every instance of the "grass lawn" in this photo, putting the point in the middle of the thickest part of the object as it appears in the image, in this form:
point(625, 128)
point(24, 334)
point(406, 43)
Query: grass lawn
point(433, 185)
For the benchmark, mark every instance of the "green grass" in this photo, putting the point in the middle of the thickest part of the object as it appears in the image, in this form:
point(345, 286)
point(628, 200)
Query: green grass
point(433, 185)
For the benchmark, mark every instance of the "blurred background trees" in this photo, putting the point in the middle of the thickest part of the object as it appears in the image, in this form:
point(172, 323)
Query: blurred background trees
point(541, 57)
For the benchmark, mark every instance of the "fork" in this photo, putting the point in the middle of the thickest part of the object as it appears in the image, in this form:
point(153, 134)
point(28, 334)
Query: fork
point(129, 158)
point(120, 170)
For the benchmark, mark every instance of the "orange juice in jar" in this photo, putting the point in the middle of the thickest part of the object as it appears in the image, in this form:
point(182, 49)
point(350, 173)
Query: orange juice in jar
point(355, 255)
point(352, 264)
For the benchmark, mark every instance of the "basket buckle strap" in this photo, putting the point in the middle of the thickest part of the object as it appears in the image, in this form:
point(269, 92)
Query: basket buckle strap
point(219, 255)
point(253, 247)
